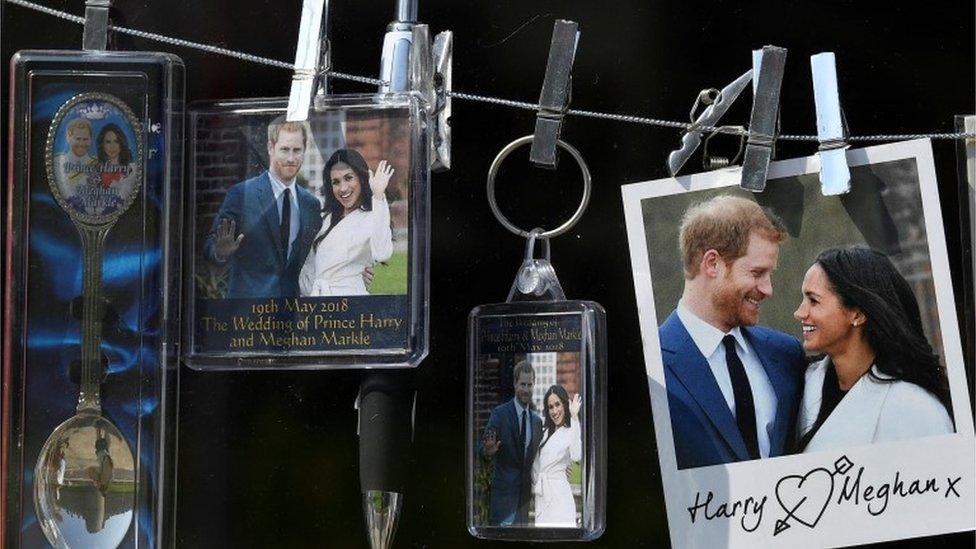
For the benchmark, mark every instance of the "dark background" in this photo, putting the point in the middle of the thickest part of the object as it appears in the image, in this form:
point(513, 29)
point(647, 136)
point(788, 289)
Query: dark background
point(270, 458)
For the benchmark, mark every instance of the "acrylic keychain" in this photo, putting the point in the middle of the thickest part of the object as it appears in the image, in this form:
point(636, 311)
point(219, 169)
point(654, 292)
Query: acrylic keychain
point(309, 222)
point(94, 218)
point(536, 445)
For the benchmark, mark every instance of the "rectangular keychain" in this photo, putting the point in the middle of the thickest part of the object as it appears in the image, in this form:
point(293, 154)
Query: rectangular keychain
point(89, 312)
point(359, 175)
point(308, 225)
point(536, 447)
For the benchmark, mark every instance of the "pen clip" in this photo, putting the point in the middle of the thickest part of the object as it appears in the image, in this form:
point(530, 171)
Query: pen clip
point(95, 35)
point(442, 54)
point(411, 62)
point(430, 76)
point(308, 79)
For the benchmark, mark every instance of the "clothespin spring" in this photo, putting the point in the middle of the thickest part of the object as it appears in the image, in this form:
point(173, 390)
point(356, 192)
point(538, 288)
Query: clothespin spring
point(710, 162)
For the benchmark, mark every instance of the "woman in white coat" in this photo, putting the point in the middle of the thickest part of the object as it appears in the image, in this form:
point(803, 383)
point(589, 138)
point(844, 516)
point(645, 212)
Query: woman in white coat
point(880, 380)
point(559, 447)
point(356, 231)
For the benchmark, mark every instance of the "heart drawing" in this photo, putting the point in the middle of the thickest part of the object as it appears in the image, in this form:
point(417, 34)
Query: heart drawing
point(804, 497)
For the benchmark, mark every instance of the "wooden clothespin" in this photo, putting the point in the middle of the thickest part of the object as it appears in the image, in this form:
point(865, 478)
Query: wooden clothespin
point(556, 94)
point(835, 175)
point(95, 35)
point(768, 67)
point(967, 124)
point(310, 67)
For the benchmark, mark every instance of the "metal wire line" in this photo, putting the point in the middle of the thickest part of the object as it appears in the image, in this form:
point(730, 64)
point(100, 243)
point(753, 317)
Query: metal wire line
point(632, 119)
point(192, 45)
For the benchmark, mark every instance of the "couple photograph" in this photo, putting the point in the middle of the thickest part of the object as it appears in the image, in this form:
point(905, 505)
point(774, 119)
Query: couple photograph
point(857, 368)
point(303, 230)
point(528, 471)
point(96, 163)
point(315, 221)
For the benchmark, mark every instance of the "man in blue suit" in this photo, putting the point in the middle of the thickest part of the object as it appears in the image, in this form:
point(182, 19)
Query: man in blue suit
point(510, 441)
point(266, 224)
point(733, 387)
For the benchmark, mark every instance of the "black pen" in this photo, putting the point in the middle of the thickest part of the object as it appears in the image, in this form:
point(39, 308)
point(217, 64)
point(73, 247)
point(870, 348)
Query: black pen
point(385, 406)
point(386, 397)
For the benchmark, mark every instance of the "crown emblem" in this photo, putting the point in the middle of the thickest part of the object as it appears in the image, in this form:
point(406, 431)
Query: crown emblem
point(93, 111)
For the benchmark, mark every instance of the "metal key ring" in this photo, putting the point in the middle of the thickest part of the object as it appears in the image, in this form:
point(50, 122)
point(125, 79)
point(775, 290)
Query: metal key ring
point(493, 171)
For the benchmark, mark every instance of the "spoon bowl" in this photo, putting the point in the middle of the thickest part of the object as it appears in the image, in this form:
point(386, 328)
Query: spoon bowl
point(85, 484)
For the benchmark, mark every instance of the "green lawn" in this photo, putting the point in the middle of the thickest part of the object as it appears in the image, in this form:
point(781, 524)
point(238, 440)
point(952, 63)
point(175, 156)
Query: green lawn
point(391, 278)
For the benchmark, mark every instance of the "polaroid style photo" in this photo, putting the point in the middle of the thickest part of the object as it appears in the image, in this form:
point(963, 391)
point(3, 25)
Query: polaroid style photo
point(803, 354)
point(308, 238)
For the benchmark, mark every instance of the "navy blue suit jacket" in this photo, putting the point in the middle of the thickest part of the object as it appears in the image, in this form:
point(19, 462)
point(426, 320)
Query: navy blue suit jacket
point(511, 483)
point(704, 429)
point(259, 267)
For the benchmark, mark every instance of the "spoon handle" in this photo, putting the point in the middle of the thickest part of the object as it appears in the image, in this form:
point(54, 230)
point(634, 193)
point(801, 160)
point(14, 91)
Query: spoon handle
point(93, 240)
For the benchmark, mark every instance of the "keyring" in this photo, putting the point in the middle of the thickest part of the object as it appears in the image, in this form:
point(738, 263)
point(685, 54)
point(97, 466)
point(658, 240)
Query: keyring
point(493, 172)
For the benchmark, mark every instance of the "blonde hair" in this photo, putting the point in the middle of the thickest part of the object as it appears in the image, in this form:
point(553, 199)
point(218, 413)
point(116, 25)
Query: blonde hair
point(79, 123)
point(723, 224)
point(279, 124)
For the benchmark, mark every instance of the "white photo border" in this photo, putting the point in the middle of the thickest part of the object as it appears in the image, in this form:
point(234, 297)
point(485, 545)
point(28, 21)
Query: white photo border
point(952, 508)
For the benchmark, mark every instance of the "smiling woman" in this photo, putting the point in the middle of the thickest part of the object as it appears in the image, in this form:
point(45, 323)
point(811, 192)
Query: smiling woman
point(559, 449)
point(880, 371)
point(356, 231)
point(113, 147)
point(828, 326)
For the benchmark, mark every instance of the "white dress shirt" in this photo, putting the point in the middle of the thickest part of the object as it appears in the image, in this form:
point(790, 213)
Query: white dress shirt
point(278, 188)
point(708, 339)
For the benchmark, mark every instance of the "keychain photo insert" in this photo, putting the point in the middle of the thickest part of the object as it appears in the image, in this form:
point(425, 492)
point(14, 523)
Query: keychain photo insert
point(528, 422)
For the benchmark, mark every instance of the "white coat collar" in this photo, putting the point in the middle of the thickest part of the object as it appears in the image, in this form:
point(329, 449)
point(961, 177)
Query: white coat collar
point(855, 419)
